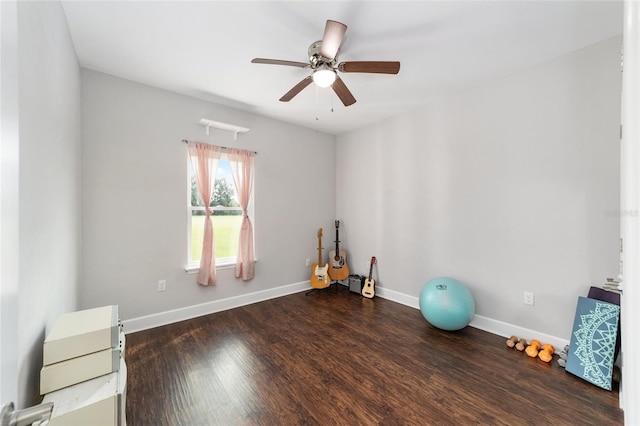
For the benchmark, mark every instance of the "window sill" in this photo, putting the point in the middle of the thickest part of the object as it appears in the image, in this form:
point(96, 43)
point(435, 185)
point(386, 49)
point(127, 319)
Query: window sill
point(193, 269)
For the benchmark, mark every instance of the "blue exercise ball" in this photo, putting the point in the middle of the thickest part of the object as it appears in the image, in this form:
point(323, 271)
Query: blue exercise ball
point(447, 304)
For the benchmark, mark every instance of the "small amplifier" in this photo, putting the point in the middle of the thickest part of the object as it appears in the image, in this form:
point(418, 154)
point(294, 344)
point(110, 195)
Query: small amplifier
point(355, 283)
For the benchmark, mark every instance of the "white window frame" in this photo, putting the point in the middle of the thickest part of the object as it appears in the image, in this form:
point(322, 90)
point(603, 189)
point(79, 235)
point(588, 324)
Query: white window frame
point(221, 262)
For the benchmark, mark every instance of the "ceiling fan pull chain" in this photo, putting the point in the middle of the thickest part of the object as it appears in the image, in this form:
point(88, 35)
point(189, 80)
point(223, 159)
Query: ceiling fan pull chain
point(317, 103)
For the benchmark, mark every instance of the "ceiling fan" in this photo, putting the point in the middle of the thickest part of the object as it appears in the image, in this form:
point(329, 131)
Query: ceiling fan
point(323, 60)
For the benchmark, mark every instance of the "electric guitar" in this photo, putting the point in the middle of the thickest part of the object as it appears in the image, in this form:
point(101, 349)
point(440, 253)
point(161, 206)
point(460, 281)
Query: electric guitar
point(319, 275)
point(338, 269)
point(368, 290)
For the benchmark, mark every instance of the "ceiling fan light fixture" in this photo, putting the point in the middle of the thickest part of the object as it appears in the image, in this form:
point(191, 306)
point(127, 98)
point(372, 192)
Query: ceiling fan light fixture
point(324, 76)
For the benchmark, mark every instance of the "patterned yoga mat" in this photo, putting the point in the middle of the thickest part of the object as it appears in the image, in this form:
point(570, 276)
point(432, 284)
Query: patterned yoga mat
point(593, 341)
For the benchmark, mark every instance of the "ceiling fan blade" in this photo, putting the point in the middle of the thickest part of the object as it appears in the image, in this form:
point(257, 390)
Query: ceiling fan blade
point(279, 62)
point(379, 67)
point(332, 39)
point(296, 89)
point(343, 93)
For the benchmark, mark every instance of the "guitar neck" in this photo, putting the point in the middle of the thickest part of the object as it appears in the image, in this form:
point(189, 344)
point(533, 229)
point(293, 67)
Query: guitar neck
point(373, 261)
point(337, 255)
point(319, 246)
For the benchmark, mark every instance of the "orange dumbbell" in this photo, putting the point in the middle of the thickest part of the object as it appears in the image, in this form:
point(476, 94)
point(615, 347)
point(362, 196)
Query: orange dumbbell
point(546, 353)
point(533, 348)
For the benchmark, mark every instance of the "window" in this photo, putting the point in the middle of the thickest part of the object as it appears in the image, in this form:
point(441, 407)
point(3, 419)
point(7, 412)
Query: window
point(227, 217)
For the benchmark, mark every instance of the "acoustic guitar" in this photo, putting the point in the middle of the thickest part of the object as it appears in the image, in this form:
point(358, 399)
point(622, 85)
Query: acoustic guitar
point(319, 274)
point(368, 290)
point(338, 268)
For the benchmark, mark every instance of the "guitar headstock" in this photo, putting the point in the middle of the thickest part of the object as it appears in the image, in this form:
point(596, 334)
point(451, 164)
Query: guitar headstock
point(373, 260)
point(319, 232)
point(337, 224)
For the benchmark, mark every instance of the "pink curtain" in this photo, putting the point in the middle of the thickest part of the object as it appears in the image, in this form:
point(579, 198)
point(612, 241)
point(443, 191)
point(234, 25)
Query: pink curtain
point(242, 167)
point(204, 159)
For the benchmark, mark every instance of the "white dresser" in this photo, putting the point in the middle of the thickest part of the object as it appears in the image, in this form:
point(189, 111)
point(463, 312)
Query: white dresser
point(84, 373)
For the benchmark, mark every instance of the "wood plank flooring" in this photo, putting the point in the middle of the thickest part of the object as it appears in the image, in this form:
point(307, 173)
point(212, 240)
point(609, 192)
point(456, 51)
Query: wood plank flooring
point(341, 359)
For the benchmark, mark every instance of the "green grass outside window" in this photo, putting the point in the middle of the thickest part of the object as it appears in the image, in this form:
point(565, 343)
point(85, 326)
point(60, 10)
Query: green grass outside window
point(226, 230)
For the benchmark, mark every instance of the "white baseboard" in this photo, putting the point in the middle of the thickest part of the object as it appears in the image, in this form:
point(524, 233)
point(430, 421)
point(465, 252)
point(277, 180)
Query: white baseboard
point(404, 299)
point(482, 323)
point(507, 330)
point(188, 312)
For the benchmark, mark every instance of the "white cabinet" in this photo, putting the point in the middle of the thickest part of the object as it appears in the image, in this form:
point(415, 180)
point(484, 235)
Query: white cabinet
point(84, 373)
point(80, 333)
point(96, 402)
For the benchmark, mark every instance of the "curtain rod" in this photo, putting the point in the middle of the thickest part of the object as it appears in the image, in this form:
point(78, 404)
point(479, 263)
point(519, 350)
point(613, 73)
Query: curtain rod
point(223, 147)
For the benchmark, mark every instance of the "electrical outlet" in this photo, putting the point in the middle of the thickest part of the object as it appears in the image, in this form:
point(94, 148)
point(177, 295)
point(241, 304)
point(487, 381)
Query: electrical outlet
point(162, 285)
point(308, 262)
point(528, 298)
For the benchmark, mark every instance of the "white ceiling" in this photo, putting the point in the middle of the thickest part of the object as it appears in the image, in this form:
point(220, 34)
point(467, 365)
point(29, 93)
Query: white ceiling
point(203, 49)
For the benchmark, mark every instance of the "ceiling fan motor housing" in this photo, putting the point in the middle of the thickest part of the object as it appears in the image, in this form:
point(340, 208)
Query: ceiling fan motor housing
point(315, 57)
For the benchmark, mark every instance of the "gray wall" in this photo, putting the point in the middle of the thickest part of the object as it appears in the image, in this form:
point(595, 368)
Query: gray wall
point(9, 212)
point(40, 269)
point(511, 186)
point(134, 214)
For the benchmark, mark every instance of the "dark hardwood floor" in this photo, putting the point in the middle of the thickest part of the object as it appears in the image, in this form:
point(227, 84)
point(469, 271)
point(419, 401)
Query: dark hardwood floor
point(339, 359)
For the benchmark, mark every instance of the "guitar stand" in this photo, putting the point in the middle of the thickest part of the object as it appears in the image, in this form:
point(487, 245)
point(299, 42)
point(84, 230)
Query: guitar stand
point(313, 290)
